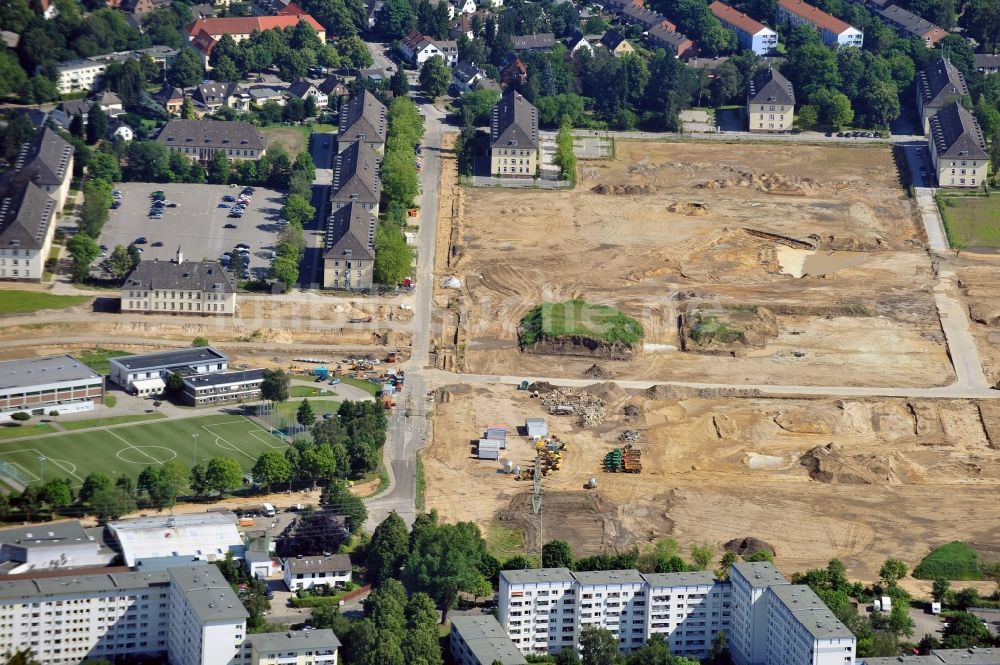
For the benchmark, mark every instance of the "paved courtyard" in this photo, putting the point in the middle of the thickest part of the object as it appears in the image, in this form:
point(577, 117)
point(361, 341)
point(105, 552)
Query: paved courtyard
point(196, 225)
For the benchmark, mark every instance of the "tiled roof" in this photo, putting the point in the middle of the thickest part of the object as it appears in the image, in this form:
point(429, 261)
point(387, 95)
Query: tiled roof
point(815, 15)
point(664, 37)
point(215, 92)
point(770, 87)
point(646, 17)
point(941, 83)
point(364, 116)
point(956, 134)
point(612, 39)
point(911, 23)
point(244, 25)
point(514, 122)
point(332, 85)
point(300, 88)
point(355, 175)
point(26, 212)
point(205, 276)
point(45, 160)
point(350, 234)
point(212, 134)
point(542, 40)
point(735, 18)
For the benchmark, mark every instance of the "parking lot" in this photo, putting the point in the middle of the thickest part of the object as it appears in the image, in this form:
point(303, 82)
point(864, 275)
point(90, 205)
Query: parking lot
point(197, 225)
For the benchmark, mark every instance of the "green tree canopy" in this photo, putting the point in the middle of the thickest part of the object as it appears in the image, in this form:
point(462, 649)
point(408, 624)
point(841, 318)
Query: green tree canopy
point(435, 77)
point(223, 473)
point(270, 468)
point(84, 250)
point(388, 549)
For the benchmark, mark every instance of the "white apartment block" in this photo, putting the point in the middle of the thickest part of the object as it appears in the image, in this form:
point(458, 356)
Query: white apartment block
point(767, 620)
point(831, 29)
point(751, 34)
point(207, 620)
point(293, 647)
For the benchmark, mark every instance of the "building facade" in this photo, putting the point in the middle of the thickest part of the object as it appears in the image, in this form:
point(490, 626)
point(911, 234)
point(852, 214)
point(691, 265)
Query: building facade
point(670, 40)
point(688, 609)
point(308, 571)
point(127, 370)
point(40, 386)
point(51, 546)
point(770, 102)
point(514, 144)
point(831, 29)
point(293, 647)
point(84, 73)
point(349, 258)
point(751, 34)
point(957, 148)
point(222, 388)
point(185, 287)
point(802, 629)
point(938, 85)
point(200, 139)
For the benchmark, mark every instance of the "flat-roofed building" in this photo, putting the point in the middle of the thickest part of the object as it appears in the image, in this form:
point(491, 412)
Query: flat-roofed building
point(938, 85)
point(206, 536)
point(770, 102)
point(514, 143)
point(52, 383)
point(50, 546)
point(201, 139)
point(84, 73)
point(958, 149)
point(363, 118)
point(831, 29)
point(479, 640)
point(186, 287)
point(127, 370)
point(751, 34)
point(207, 620)
point(305, 572)
point(222, 387)
point(801, 629)
point(292, 647)
point(748, 635)
point(526, 601)
point(689, 609)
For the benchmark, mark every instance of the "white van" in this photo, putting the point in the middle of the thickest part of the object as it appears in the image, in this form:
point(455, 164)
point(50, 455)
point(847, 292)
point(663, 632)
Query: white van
point(267, 510)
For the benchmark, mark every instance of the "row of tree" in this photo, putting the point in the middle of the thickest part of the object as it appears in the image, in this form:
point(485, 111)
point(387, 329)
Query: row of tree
point(400, 186)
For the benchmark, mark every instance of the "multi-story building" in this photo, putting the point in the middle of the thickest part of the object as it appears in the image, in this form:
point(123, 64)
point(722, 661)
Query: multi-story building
point(647, 18)
point(479, 640)
point(831, 29)
point(52, 383)
point(200, 139)
point(689, 609)
point(908, 24)
point(179, 287)
point(614, 600)
point(363, 118)
point(616, 43)
point(51, 546)
point(211, 96)
point(748, 635)
point(207, 623)
point(418, 49)
point(304, 90)
point(305, 572)
point(670, 40)
point(514, 143)
point(938, 85)
point(134, 372)
point(535, 43)
point(801, 629)
point(82, 74)
point(958, 149)
point(356, 178)
point(526, 602)
point(751, 34)
point(349, 258)
point(205, 536)
point(222, 388)
point(770, 102)
point(293, 647)
point(203, 34)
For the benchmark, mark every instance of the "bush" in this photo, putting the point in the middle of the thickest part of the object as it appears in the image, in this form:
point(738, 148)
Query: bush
point(953, 561)
point(581, 319)
point(53, 413)
point(110, 401)
point(20, 416)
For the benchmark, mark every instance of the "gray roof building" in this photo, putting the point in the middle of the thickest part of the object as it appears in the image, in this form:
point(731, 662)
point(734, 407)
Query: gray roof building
point(333, 85)
point(988, 63)
point(224, 378)
point(760, 574)
point(537, 575)
point(294, 640)
point(612, 39)
point(350, 234)
point(216, 93)
point(27, 372)
point(44, 161)
point(647, 18)
point(208, 593)
point(939, 84)
point(909, 24)
point(26, 212)
point(480, 640)
point(810, 611)
point(770, 87)
point(601, 577)
point(204, 276)
point(170, 359)
point(514, 122)
point(40, 588)
point(542, 41)
point(956, 134)
point(972, 656)
point(356, 177)
point(697, 578)
point(51, 546)
point(319, 564)
point(660, 36)
point(363, 118)
point(211, 134)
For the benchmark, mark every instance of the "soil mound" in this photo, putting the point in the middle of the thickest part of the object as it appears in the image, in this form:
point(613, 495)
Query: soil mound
point(749, 545)
point(541, 387)
point(830, 464)
point(693, 209)
point(607, 391)
point(770, 183)
point(662, 391)
point(631, 412)
point(595, 371)
point(589, 409)
point(617, 190)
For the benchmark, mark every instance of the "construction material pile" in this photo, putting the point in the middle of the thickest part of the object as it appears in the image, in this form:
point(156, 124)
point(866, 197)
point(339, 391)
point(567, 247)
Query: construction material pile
point(590, 410)
point(630, 436)
point(626, 460)
point(771, 183)
point(595, 371)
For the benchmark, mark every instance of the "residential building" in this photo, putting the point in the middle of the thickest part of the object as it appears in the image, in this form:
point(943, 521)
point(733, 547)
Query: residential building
point(171, 99)
point(465, 76)
point(303, 90)
point(480, 640)
point(539, 42)
point(526, 602)
point(688, 609)
point(647, 18)
point(211, 96)
point(513, 71)
point(203, 10)
point(119, 131)
point(207, 621)
point(748, 634)
point(464, 7)
point(205, 536)
point(461, 26)
point(971, 656)
point(987, 63)
point(220, 388)
point(128, 371)
point(576, 41)
point(752, 35)
point(110, 103)
point(203, 34)
point(958, 149)
point(908, 24)
point(670, 40)
point(292, 647)
point(333, 86)
point(62, 116)
point(356, 178)
point(83, 74)
point(140, 9)
point(364, 118)
point(802, 629)
point(349, 257)
point(46, 161)
point(770, 102)
point(50, 383)
point(616, 43)
point(418, 49)
point(179, 287)
point(305, 572)
point(938, 85)
point(613, 600)
point(372, 8)
point(831, 29)
point(514, 144)
point(200, 139)
point(262, 95)
point(52, 546)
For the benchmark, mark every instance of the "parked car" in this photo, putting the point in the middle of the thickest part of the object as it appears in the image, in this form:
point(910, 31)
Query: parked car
point(157, 244)
point(223, 205)
point(228, 198)
point(229, 226)
point(243, 245)
point(141, 240)
point(115, 205)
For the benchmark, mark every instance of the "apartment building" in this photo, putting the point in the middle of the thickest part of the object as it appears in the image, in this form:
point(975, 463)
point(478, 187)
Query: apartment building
point(770, 102)
point(200, 139)
point(207, 621)
point(908, 24)
point(293, 647)
point(938, 85)
point(306, 572)
point(203, 34)
point(748, 635)
point(614, 600)
point(84, 73)
point(987, 63)
point(801, 629)
point(514, 144)
point(349, 258)
point(134, 373)
point(537, 609)
point(363, 118)
point(418, 49)
point(958, 149)
point(670, 40)
point(51, 383)
point(179, 287)
point(51, 546)
point(831, 29)
point(751, 34)
point(356, 178)
point(479, 640)
point(222, 388)
point(211, 96)
point(689, 609)
point(647, 18)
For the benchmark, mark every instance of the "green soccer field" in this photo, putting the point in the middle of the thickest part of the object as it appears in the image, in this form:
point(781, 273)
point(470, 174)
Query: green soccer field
point(128, 450)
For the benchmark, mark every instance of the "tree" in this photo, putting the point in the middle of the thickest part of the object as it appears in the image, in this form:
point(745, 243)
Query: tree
point(57, 493)
point(421, 642)
point(728, 559)
point(399, 175)
point(94, 211)
point(147, 161)
point(388, 548)
point(271, 467)
point(225, 70)
point(97, 124)
point(565, 157)
point(395, 20)
point(274, 387)
point(557, 554)
point(218, 168)
point(759, 555)
point(995, 153)
point(91, 485)
point(223, 473)
point(834, 108)
point(393, 257)
point(199, 341)
point(174, 384)
point(702, 555)
point(187, 109)
point(84, 250)
point(340, 499)
point(598, 646)
point(284, 269)
point(199, 485)
point(399, 84)
point(110, 503)
point(187, 69)
point(435, 77)
point(808, 116)
point(891, 572)
point(163, 484)
point(297, 210)
point(119, 263)
point(305, 415)
point(965, 630)
point(568, 656)
point(718, 654)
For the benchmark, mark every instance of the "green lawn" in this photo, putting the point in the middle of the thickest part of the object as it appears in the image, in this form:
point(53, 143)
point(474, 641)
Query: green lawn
point(97, 359)
point(367, 386)
point(971, 221)
point(309, 391)
point(503, 542)
point(127, 450)
point(952, 561)
point(31, 429)
point(578, 318)
point(73, 425)
point(22, 302)
point(320, 405)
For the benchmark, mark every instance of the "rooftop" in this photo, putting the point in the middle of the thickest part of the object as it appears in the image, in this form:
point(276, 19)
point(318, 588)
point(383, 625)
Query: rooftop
point(760, 574)
point(29, 372)
point(770, 87)
point(223, 378)
point(514, 122)
point(940, 83)
point(356, 175)
point(205, 276)
point(911, 23)
point(169, 359)
point(38, 588)
point(294, 639)
point(537, 575)
point(987, 60)
point(736, 18)
point(45, 160)
point(244, 25)
point(350, 233)
point(46, 535)
point(698, 578)
point(486, 639)
point(364, 117)
point(319, 564)
point(600, 577)
point(26, 214)
point(811, 612)
point(956, 134)
point(211, 134)
point(541, 40)
point(664, 35)
point(815, 15)
point(208, 593)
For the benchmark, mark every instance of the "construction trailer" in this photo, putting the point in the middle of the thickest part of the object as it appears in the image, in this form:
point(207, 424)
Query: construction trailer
point(536, 428)
point(489, 449)
point(497, 432)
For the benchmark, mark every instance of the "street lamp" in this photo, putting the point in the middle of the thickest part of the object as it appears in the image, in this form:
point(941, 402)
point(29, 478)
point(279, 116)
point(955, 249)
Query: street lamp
point(41, 468)
point(194, 458)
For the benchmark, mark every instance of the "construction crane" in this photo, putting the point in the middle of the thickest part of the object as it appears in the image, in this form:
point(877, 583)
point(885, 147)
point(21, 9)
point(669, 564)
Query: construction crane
point(536, 501)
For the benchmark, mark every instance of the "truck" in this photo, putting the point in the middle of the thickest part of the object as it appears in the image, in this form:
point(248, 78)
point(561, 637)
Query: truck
point(267, 510)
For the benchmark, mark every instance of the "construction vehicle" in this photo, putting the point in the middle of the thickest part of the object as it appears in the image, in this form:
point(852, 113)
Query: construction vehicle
point(388, 402)
point(391, 357)
point(523, 385)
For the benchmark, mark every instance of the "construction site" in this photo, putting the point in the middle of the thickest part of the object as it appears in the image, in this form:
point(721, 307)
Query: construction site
point(766, 264)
